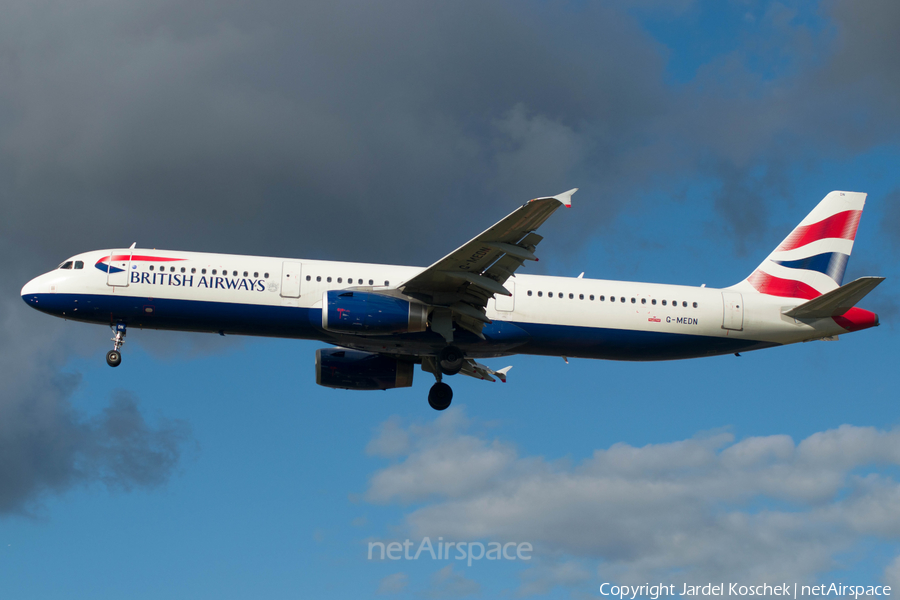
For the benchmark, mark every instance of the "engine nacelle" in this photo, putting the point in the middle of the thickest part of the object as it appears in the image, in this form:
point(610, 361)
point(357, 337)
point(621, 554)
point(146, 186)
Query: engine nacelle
point(368, 313)
point(357, 370)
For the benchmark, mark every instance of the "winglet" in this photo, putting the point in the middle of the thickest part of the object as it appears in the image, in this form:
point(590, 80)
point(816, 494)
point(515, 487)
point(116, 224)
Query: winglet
point(501, 374)
point(564, 198)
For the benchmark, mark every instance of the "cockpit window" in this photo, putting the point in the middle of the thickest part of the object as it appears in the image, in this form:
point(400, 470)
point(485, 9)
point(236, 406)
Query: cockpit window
point(66, 265)
point(79, 264)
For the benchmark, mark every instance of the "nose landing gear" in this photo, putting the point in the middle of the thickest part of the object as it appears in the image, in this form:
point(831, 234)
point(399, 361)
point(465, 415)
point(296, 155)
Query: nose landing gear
point(114, 357)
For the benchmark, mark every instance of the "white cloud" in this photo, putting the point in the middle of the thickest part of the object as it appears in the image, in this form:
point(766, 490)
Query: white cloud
point(391, 440)
point(705, 508)
point(442, 462)
point(892, 574)
point(393, 584)
point(447, 583)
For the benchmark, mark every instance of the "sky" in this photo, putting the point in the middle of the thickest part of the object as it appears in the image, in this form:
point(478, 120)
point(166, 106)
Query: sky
point(699, 133)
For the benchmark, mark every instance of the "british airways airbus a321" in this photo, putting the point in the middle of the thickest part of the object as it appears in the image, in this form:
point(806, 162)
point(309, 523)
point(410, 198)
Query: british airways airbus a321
point(471, 304)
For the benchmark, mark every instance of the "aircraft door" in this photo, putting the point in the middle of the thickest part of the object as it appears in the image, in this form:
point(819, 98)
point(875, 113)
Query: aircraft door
point(118, 268)
point(733, 317)
point(290, 279)
point(506, 303)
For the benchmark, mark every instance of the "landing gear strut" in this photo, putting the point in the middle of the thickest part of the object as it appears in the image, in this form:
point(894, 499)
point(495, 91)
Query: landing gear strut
point(448, 362)
point(114, 357)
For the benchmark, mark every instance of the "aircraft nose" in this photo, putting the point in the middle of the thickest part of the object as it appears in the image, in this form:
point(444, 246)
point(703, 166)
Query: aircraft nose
point(30, 289)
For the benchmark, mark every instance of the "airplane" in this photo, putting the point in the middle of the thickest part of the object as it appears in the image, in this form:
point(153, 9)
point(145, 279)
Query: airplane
point(472, 304)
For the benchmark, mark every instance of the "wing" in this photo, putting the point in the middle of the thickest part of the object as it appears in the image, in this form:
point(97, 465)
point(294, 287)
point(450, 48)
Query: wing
point(464, 280)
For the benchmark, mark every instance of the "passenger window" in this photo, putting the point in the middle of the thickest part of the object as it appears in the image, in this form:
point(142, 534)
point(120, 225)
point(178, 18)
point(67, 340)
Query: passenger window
point(203, 271)
point(318, 278)
point(308, 278)
point(695, 305)
point(643, 301)
point(265, 275)
point(79, 264)
point(581, 296)
point(234, 273)
point(602, 298)
point(328, 279)
point(622, 299)
point(245, 274)
point(214, 272)
point(183, 269)
point(571, 296)
point(592, 297)
point(664, 302)
point(256, 274)
point(653, 302)
point(387, 283)
point(549, 294)
point(340, 280)
point(684, 304)
point(151, 267)
point(193, 270)
point(359, 281)
point(540, 294)
point(371, 282)
point(633, 301)
point(529, 292)
point(612, 298)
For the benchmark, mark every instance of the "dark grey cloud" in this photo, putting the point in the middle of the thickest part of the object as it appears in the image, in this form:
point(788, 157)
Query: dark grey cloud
point(47, 446)
point(285, 126)
point(390, 130)
point(890, 223)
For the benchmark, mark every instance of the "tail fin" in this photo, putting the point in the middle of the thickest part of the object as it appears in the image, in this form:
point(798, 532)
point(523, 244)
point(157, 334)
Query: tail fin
point(812, 259)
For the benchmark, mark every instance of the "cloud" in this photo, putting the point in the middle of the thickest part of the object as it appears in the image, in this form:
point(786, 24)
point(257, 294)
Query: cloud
point(890, 224)
point(315, 130)
point(49, 446)
point(442, 463)
point(707, 508)
point(391, 440)
point(447, 583)
point(393, 584)
point(46, 446)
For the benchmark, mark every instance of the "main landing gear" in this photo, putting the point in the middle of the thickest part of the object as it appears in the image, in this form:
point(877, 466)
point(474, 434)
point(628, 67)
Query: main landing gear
point(448, 362)
point(440, 395)
point(114, 357)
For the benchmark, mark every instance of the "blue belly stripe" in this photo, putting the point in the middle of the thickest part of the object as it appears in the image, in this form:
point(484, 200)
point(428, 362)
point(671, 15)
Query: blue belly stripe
point(305, 323)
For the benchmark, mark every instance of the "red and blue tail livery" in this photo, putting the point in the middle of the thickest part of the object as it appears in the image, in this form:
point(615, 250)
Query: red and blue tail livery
point(812, 259)
point(384, 321)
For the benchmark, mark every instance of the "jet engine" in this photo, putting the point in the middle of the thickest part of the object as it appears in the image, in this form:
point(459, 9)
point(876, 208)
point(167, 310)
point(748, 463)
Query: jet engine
point(357, 370)
point(369, 313)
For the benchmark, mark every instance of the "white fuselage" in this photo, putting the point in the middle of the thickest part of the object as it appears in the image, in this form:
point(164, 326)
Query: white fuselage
point(564, 316)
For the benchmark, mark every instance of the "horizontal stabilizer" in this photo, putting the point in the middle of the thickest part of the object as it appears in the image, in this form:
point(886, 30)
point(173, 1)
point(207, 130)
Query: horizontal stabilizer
point(836, 302)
